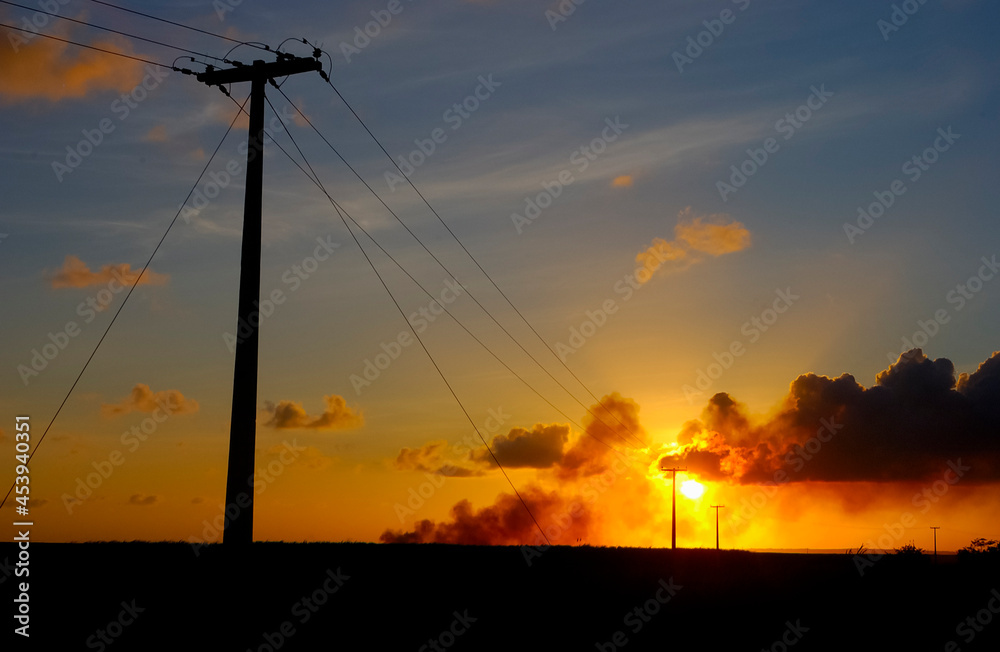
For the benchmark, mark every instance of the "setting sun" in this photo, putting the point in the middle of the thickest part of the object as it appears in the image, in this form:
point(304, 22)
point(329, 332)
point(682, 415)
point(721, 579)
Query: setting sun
point(692, 489)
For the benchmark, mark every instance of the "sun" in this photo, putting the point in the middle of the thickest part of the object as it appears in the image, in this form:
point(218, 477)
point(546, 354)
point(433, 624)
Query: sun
point(692, 489)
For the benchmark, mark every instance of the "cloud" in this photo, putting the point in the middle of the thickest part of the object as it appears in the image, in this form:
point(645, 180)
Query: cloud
point(157, 134)
point(539, 448)
point(76, 274)
point(429, 458)
point(624, 181)
point(907, 427)
point(33, 67)
point(506, 522)
point(846, 448)
point(142, 500)
point(337, 416)
point(582, 467)
point(143, 399)
point(695, 238)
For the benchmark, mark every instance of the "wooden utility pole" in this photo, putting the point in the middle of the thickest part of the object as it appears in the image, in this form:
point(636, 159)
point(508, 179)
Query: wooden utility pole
point(935, 528)
point(717, 508)
point(673, 506)
point(238, 528)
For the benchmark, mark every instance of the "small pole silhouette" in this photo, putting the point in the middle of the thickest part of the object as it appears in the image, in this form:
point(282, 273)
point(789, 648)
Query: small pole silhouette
point(717, 508)
point(673, 506)
point(935, 528)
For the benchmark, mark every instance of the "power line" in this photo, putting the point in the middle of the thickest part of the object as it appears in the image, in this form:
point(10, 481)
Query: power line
point(399, 308)
point(449, 272)
point(129, 294)
point(339, 208)
point(461, 244)
point(182, 25)
point(90, 47)
point(113, 31)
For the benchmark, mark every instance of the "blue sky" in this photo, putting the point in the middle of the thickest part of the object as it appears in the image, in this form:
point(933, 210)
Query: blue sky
point(888, 93)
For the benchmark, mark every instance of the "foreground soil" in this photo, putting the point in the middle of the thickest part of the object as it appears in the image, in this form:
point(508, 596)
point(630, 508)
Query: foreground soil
point(278, 596)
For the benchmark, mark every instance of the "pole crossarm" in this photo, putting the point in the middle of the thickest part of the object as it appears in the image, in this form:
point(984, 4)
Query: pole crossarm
point(238, 527)
point(270, 70)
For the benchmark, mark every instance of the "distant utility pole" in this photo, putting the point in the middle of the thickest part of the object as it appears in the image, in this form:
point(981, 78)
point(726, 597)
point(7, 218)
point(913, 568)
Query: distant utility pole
point(935, 528)
point(673, 501)
point(717, 508)
point(238, 528)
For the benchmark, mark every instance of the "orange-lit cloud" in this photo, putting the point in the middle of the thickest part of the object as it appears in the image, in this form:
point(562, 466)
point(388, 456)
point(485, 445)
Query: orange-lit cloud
point(76, 274)
point(624, 181)
point(582, 477)
point(912, 425)
point(845, 449)
point(142, 500)
point(33, 67)
point(506, 522)
point(143, 399)
point(541, 447)
point(337, 416)
point(157, 134)
point(695, 238)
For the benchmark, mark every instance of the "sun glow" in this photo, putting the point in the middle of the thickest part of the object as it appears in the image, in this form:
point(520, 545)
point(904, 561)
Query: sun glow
point(692, 489)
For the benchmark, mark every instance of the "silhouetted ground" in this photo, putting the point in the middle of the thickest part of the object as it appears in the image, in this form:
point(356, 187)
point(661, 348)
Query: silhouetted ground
point(400, 597)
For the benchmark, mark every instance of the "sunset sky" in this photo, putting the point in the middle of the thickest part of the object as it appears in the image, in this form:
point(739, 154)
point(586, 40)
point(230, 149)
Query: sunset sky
point(683, 199)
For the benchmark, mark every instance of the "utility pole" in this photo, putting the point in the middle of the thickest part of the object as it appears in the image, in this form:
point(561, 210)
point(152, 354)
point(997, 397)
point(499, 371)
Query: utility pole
point(673, 506)
point(717, 508)
point(238, 528)
point(935, 528)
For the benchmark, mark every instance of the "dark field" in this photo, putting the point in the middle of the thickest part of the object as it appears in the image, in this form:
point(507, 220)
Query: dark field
point(402, 597)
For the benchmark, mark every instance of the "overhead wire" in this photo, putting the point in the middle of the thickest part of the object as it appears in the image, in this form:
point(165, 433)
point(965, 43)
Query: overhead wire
point(420, 340)
point(455, 236)
point(453, 276)
point(113, 31)
point(135, 283)
point(262, 46)
point(316, 181)
point(89, 47)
